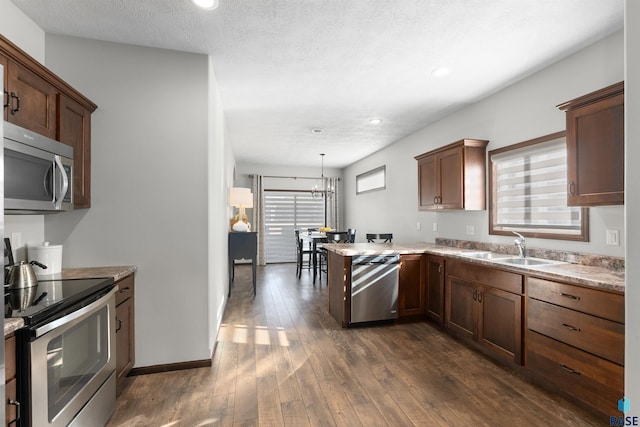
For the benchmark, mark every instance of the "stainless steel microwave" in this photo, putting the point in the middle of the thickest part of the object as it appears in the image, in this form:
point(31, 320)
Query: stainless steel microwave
point(38, 173)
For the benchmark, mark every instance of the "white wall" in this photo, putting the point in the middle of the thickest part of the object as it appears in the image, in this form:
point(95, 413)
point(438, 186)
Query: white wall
point(221, 164)
point(520, 112)
point(21, 30)
point(632, 203)
point(150, 148)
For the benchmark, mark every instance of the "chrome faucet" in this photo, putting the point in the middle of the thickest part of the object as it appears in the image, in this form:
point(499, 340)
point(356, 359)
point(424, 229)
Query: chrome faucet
point(521, 244)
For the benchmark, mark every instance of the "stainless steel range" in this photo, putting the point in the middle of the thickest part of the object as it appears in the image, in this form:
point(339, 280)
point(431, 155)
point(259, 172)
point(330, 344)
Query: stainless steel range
point(67, 354)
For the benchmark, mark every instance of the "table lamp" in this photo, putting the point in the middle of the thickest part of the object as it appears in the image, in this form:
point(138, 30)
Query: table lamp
point(241, 198)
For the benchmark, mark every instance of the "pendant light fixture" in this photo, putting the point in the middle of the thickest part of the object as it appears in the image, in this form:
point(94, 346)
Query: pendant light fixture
point(322, 190)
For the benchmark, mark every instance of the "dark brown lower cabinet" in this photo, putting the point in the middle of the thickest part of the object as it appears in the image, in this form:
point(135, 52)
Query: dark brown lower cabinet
point(435, 288)
point(125, 338)
point(10, 392)
point(411, 286)
point(575, 342)
point(484, 314)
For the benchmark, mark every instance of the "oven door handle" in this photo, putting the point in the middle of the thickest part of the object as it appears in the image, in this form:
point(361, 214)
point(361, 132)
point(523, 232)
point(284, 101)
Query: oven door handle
point(76, 314)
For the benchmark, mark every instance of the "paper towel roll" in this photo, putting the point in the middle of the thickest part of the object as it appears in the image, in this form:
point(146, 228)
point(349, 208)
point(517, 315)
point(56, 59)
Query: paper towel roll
point(47, 254)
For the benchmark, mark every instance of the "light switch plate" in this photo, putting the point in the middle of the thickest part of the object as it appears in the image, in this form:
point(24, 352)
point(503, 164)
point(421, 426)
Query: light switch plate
point(471, 230)
point(435, 226)
point(613, 237)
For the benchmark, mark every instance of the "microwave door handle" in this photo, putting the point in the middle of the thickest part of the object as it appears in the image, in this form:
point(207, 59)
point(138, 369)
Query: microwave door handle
point(65, 183)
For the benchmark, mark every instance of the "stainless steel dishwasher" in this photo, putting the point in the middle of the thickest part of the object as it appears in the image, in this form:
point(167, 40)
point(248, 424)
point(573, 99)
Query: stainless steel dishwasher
point(374, 288)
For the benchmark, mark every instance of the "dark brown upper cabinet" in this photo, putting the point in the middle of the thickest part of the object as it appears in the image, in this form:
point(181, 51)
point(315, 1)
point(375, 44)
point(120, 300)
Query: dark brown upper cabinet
point(453, 177)
point(38, 100)
point(595, 147)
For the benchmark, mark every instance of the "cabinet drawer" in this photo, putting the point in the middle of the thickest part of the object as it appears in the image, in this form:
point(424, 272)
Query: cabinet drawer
point(602, 304)
point(125, 289)
point(598, 336)
point(10, 358)
point(499, 279)
point(591, 379)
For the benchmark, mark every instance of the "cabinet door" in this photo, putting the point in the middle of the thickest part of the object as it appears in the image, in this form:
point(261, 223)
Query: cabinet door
point(500, 325)
point(435, 288)
point(428, 183)
point(411, 292)
point(74, 129)
point(595, 153)
point(461, 314)
point(5, 100)
point(451, 179)
point(33, 101)
point(124, 340)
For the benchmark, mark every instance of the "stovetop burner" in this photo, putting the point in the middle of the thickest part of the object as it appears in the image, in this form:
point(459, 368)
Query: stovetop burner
point(56, 297)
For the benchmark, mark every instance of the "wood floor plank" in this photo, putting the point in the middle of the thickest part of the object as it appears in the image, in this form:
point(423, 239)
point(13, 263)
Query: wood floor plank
point(281, 359)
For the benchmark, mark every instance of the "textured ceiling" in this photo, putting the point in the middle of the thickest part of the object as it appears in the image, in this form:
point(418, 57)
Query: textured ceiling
point(285, 67)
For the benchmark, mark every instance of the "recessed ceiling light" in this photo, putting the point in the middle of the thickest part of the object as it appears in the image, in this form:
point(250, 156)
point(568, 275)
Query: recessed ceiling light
point(375, 121)
point(206, 4)
point(440, 72)
point(317, 131)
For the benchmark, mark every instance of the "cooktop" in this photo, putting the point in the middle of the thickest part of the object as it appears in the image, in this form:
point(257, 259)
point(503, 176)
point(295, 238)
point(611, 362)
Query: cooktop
point(55, 298)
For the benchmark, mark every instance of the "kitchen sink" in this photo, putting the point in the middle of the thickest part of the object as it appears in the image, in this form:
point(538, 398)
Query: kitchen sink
point(509, 259)
point(485, 255)
point(528, 261)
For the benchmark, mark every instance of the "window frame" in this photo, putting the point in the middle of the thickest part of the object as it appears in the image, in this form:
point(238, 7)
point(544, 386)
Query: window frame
point(369, 173)
point(494, 229)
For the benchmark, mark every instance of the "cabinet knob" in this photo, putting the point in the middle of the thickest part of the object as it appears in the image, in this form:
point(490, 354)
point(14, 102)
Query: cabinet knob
point(571, 327)
point(572, 188)
point(17, 405)
point(571, 371)
point(475, 295)
point(119, 325)
point(6, 99)
point(17, 104)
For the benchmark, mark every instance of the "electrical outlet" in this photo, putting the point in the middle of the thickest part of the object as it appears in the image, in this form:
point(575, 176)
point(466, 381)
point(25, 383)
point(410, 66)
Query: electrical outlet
point(613, 237)
point(418, 226)
point(435, 226)
point(471, 230)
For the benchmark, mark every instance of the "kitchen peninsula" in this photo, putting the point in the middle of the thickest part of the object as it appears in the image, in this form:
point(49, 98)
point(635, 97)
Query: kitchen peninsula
point(562, 321)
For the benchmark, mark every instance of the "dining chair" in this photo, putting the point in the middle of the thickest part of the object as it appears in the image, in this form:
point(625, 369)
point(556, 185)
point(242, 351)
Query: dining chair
point(300, 253)
point(385, 237)
point(332, 237)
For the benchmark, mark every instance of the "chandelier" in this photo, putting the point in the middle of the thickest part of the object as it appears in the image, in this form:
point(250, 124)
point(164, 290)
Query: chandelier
point(322, 189)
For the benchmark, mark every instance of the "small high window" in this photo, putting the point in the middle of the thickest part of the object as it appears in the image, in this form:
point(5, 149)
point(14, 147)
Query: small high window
point(372, 180)
point(528, 191)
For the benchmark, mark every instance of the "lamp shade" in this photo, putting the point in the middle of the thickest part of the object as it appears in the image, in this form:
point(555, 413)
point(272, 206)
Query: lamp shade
point(240, 197)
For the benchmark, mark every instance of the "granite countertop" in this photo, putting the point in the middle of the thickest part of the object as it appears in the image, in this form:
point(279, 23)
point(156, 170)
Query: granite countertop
point(12, 325)
point(595, 277)
point(117, 272)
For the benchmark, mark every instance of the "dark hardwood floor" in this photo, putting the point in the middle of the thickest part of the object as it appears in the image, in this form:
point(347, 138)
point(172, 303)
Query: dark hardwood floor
point(281, 360)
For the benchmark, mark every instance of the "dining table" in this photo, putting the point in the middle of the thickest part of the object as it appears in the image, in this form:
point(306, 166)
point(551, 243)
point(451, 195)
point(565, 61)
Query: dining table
point(314, 238)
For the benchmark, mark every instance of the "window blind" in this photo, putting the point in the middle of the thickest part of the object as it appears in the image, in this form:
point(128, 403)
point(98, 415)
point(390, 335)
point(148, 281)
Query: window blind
point(530, 190)
point(284, 211)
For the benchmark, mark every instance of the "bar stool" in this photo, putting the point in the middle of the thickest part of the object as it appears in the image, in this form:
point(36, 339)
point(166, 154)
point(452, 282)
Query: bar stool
point(332, 237)
point(386, 238)
point(300, 253)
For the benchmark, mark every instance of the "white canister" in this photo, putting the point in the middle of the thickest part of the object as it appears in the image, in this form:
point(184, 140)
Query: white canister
point(47, 254)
